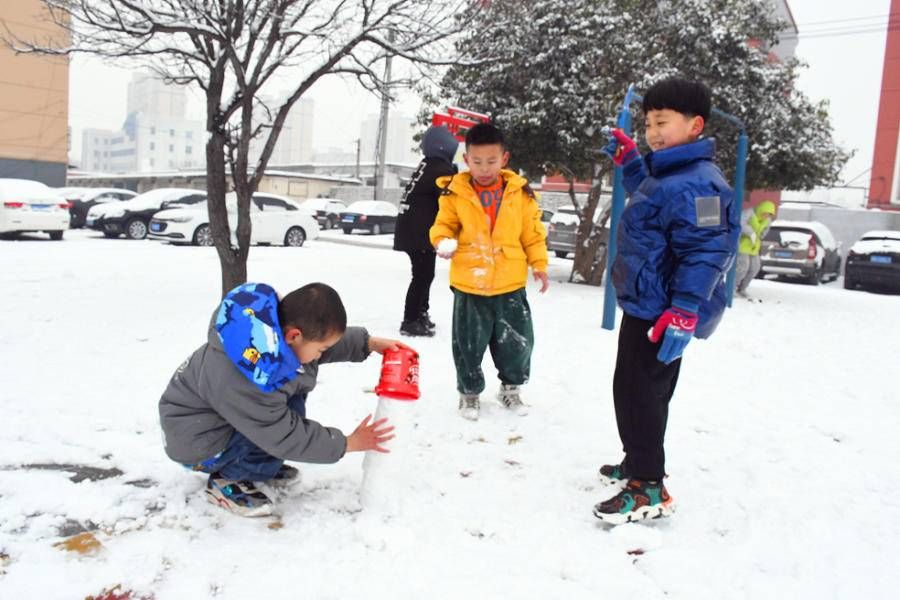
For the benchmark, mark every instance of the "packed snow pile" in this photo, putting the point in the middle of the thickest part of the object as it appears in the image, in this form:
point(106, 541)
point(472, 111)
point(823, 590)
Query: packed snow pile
point(781, 456)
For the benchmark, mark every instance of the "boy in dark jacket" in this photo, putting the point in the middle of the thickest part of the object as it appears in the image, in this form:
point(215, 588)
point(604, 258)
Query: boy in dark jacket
point(418, 208)
point(236, 408)
point(676, 241)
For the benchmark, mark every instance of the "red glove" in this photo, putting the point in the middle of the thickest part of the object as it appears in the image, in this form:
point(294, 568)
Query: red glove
point(678, 325)
point(621, 148)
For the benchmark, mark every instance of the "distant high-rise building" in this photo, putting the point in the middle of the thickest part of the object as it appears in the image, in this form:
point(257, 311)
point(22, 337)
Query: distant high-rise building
point(400, 144)
point(149, 95)
point(294, 145)
point(34, 98)
point(155, 136)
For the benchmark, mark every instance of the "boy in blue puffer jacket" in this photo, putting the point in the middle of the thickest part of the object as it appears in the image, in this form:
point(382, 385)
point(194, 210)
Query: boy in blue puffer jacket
point(676, 241)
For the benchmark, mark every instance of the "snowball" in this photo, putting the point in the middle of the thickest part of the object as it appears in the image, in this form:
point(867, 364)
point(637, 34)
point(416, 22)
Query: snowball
point(447, 246)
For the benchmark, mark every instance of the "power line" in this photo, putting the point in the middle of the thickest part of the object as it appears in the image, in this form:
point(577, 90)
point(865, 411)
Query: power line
point(887, 16)
point(856, 29)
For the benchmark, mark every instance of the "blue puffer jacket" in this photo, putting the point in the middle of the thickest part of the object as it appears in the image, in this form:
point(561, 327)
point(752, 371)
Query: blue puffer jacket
point(678, 235)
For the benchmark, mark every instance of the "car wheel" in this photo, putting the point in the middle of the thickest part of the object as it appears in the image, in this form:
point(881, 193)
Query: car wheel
point(561, 253)
point(348, 230)
point(55, 235)
point(203, 236)
point(815, 277)
point(295, 237)
point(849, 283)
point(136, 229)
point(329, 223)
point(376, 229)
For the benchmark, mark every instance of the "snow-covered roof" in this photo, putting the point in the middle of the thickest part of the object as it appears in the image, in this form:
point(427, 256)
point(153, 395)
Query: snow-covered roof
point(83, 176)
point(823, 233)
point(26, 190)
point(373, 207)
point(879, 234)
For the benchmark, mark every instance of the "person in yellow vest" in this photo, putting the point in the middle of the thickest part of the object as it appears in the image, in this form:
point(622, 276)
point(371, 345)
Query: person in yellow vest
point(754, 224)
point(489, 223)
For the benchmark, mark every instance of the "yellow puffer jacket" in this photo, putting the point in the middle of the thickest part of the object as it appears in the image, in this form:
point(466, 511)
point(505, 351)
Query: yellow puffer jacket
point(490, 263)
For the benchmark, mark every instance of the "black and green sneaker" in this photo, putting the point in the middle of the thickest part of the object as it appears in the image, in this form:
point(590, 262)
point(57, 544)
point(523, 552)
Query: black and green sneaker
point(613, 474)
point(637, 501)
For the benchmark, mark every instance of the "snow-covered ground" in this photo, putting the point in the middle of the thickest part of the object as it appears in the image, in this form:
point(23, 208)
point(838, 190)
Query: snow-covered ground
point(782, 446)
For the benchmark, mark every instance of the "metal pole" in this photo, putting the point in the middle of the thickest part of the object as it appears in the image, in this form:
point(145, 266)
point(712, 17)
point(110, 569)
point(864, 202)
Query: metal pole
point(737, 205)
point(381, 145)
point(618, 205)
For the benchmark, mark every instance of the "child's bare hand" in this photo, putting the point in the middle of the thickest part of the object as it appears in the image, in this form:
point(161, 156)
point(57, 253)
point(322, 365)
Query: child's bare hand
point(382, 345)
point(544, 279)
point(370, 436)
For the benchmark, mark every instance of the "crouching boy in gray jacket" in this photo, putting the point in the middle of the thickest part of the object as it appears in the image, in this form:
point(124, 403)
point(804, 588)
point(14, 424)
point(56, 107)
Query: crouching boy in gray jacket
point(236, 408)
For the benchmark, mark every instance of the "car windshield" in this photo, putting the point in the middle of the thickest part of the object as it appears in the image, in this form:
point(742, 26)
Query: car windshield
point(151, 199)
point(881, 237)
point(789, 237)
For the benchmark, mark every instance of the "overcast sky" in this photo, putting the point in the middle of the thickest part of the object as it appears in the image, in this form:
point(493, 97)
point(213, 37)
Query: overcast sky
point(845, 69)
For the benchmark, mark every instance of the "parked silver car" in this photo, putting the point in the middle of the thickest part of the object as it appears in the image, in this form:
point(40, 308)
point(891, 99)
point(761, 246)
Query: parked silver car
point(562, 230)
point(800, 249)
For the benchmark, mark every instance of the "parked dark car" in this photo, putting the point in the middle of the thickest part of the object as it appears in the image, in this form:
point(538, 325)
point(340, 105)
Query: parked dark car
point(874, 260)
point(81, 200)
point(803, 250)
point(132, 217)
point(374, 216)
point(326, 211)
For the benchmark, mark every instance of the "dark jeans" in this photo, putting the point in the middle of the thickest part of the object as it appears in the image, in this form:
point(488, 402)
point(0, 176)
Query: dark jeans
point(420, 287)
point(501, 323)
point(242, 460)
point(642, 388)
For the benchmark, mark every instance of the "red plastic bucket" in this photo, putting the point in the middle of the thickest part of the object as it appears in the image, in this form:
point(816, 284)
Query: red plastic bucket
point(399, 375)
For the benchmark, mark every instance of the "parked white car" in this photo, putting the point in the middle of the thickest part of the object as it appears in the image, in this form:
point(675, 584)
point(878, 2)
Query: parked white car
point(274, 220)
point(27, 205)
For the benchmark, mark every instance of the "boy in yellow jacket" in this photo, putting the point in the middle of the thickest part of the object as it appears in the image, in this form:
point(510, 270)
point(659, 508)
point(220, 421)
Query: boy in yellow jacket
point(489, 223)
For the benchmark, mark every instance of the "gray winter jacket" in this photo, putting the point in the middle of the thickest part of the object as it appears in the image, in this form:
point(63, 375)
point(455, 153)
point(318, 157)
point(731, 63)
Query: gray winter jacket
point(208, 398)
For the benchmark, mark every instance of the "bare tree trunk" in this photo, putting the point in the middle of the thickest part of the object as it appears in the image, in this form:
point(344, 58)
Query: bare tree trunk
point(592, 242)
point(234, 268)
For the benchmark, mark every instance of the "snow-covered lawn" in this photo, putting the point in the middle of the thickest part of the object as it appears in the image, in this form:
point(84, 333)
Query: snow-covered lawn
point(782, 446)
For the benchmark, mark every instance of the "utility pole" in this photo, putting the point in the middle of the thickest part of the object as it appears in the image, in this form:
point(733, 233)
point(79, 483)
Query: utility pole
point(381, 141)
point(357, 157)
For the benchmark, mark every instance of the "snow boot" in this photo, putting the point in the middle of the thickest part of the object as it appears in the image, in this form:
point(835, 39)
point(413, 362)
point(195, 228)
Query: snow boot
point(469, 406)
point(613, 474)
point(638, 500)
point(509, 397)
point(240, 497)
point(415, 328)
point(426, 319)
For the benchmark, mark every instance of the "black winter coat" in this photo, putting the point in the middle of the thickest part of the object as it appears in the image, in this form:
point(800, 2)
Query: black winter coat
point(419, 206)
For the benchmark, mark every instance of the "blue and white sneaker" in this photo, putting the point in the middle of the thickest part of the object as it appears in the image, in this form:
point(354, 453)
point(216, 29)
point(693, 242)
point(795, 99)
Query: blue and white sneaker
point(240, 497)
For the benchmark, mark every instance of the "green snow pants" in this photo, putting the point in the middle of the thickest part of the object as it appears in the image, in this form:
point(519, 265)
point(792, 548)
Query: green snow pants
point(501, 323)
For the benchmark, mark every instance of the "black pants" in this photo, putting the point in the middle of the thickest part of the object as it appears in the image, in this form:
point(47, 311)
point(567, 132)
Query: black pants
point(499, 323)
point(420, 287)
point(642, 388)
